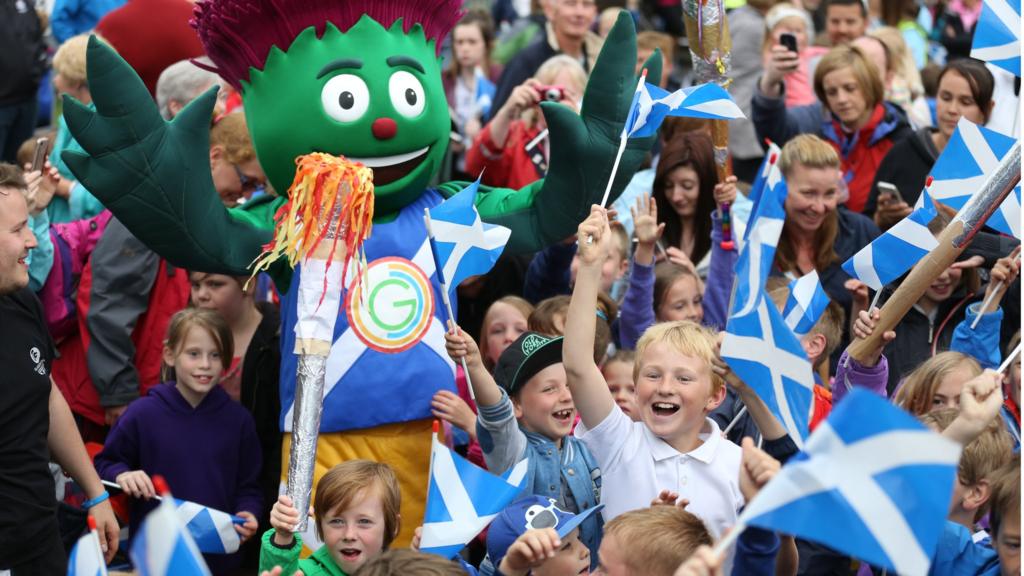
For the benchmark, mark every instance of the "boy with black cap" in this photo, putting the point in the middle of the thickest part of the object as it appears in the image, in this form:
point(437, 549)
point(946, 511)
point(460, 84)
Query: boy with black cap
point(526, 411)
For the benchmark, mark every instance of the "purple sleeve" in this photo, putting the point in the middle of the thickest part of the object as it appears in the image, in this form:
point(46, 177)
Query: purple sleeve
point(637, 312)
point(121, 450)
point(851, 373)
point(721, 272)
point(548, 274)
point(250, 493)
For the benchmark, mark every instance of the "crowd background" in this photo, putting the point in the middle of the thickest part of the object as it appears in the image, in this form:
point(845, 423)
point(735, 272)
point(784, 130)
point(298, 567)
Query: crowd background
point(879, 85)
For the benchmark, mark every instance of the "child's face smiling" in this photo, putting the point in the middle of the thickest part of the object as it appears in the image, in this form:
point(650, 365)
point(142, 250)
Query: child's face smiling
point(674, 393)
point(355, 534)
point(545, 405)
point(572, 558)
point(682, 301)
point(197, 365)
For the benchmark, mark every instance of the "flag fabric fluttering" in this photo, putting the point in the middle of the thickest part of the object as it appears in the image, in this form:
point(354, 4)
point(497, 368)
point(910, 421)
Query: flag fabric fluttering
point(758, 345)
point(163, 546)
point(771, 156)
point(463, 499)
point(485, 91)
point(972, 154)
point(213, 530)
point(651, 105)
point(872, 483)
point(997, 35)
point(463, 244)
point(806, 303)
point(86, 557)
point(897, 250)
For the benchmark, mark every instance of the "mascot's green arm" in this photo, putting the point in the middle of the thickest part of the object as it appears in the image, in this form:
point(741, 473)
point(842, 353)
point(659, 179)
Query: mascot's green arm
point(583, 149)
point(154, 175)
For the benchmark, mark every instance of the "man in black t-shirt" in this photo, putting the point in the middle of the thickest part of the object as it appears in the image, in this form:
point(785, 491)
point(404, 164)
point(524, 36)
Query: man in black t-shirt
point(36, 425)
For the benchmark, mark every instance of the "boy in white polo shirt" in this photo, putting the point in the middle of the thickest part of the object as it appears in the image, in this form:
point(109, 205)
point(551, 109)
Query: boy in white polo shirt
point(675, 446)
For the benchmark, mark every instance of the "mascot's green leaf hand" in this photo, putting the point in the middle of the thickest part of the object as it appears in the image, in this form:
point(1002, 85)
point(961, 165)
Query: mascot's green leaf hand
point(157, 172)
point(583, 150)
point(384, 107)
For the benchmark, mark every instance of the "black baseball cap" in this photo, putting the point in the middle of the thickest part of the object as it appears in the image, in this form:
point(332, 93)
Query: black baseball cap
point(524, 358)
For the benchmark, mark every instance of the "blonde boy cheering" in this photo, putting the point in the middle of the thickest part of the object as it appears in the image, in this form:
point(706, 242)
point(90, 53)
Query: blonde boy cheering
point(675, 446)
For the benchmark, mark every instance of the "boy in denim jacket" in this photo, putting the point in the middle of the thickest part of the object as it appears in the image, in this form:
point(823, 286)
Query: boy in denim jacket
point(526, 411)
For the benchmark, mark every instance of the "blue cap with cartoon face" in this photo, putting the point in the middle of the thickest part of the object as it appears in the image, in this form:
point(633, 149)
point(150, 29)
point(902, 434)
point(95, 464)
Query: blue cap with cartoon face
point(530, 513)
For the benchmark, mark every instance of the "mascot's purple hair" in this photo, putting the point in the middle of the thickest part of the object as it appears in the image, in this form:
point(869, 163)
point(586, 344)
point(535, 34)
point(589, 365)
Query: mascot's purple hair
point(238, 34)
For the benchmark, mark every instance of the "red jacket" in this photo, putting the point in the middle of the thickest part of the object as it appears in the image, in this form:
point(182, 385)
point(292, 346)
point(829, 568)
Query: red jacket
point(170, 293)
point(510, 166)
point(862, 152)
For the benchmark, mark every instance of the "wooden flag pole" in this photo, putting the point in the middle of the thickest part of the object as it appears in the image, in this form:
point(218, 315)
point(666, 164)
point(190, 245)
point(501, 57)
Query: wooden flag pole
point(953, 240)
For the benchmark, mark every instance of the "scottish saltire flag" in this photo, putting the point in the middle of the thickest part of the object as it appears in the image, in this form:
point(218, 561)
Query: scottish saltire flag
point(897, 250)
point(463, 244)
point(771, 157)
point(651, 105)
point(485, 91)
point(997, 35)
point(871, 482)
point(86, 557)
point(463, 499)
point(163, 547)
point(763, 351)
point(972, 154)
point(764, 227)
point(806, 303)
point(213, 530)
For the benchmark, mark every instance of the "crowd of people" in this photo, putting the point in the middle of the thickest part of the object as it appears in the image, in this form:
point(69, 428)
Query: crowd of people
point(598, 359)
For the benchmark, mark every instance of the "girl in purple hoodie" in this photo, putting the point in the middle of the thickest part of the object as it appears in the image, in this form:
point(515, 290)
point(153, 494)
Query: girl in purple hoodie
point(189, 431)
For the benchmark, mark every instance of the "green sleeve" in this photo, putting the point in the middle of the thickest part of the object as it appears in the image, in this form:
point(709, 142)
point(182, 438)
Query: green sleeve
point(286, 558)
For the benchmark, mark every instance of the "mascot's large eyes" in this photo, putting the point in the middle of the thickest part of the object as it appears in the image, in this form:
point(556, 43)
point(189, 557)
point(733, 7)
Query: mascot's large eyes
point(406, 94)
point(345, 98)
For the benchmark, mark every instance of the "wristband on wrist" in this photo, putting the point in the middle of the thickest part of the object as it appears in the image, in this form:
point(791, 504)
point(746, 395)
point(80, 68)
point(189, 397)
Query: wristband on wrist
point(94, 501)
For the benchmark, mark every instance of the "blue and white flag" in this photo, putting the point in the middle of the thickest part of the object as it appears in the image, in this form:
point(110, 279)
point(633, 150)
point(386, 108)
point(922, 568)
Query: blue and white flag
point(485, 91)
point(897, 250)
point(762, 350)
point(213, 530)
point(806, 303)
point(163, 547)
point(463, 244)
point(771, 158)
point(972, 154)
point(651, 105)
point(86, 557)
point(872, 482)
point(997, 35)
point(754, 264)
point(463, 499)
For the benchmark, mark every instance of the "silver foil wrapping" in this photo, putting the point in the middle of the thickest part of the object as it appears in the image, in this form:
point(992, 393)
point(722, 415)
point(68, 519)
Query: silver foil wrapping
point(309, 392)
point(992, 193)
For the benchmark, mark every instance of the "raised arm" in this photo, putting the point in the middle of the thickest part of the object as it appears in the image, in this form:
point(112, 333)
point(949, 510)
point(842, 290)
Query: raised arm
point(460, 345)
point(589, 390)
point(153, 174)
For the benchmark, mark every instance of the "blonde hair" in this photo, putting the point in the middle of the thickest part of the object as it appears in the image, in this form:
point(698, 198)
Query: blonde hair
point(980, 458)
point(546, 75)
point(684, 337)
point(408, 562)
point(780, 13)
point(1005, 498)
point(340, 487)
point(809, 151)
point(69, 61)
point(901, 61)
point(521, 305)
point(231, 133)
point(656, 540)
point(183, 321)
point(919, 387)
point(863, 71)
point(651, 40)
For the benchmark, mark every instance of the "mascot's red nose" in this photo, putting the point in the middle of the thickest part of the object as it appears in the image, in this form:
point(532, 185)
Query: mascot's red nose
point(384, 128)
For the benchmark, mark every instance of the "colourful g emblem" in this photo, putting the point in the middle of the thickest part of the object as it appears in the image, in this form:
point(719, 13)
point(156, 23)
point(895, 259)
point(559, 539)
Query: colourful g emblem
point(394, 309)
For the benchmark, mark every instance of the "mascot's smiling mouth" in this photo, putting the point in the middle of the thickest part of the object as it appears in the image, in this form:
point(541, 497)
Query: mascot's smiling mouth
point(387, 169)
